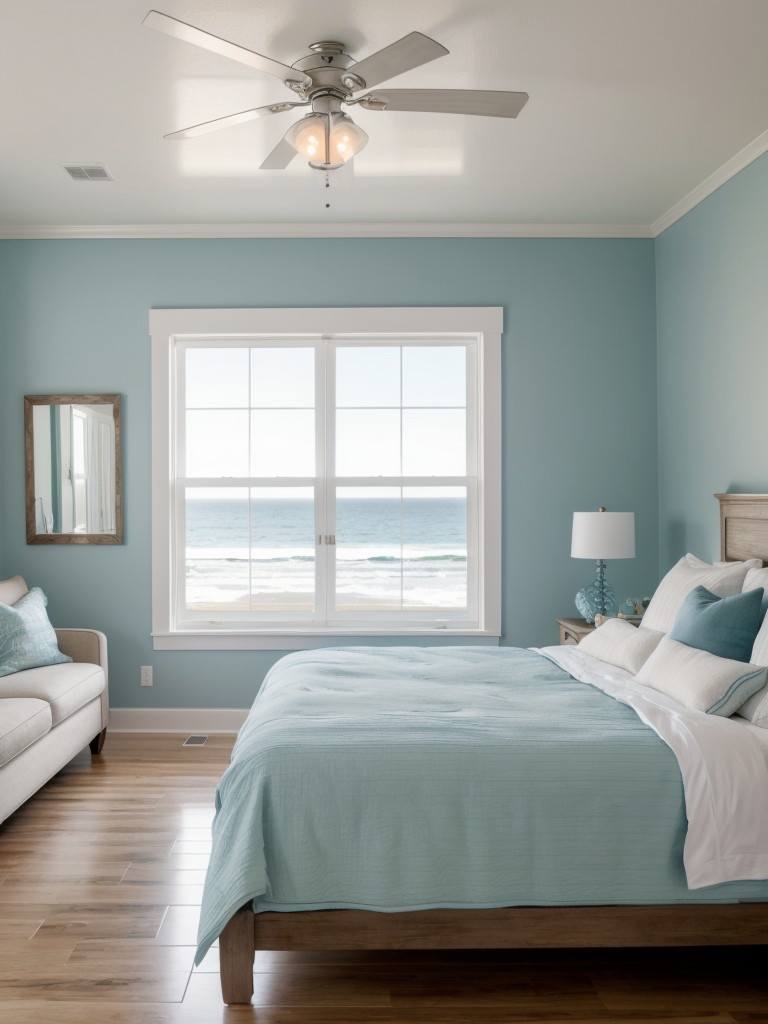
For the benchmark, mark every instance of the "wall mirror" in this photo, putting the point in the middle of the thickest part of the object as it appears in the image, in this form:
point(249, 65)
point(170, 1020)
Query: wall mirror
point(73, 469)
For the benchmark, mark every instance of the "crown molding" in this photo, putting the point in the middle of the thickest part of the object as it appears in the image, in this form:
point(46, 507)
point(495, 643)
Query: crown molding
point(729, 169)
point(285, 230)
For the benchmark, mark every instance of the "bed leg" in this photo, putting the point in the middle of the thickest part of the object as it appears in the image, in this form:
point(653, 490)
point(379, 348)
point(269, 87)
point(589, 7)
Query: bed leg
point(236, 949)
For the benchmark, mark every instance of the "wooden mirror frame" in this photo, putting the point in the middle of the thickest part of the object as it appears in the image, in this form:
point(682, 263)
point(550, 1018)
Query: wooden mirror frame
point(33, 537)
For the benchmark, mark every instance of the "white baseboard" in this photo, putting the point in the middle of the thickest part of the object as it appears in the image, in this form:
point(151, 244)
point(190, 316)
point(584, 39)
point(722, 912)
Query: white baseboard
point(186, 720)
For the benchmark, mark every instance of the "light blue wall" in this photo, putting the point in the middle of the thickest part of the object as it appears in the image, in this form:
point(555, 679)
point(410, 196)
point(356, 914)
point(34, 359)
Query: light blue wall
point(579, 381)
point(712, 296)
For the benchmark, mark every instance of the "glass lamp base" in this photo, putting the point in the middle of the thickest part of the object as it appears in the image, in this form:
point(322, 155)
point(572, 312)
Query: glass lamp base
point(588, 601)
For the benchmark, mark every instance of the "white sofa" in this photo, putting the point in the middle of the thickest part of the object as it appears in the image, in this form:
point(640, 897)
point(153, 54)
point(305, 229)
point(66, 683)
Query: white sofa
point(49, 714)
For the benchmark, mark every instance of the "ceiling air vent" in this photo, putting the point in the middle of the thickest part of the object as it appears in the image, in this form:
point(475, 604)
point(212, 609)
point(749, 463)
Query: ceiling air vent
point(87, 172)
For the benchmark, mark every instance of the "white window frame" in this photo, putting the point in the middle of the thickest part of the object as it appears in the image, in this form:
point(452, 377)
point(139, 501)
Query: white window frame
point(168, 327)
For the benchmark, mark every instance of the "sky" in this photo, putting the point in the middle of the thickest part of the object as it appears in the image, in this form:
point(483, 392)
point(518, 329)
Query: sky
point(251, 411)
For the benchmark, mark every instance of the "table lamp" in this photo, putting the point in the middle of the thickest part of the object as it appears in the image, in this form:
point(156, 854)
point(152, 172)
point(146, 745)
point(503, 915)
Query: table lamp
point(601, 535)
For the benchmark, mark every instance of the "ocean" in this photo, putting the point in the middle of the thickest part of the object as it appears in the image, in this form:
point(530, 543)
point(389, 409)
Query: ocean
point(390, 554)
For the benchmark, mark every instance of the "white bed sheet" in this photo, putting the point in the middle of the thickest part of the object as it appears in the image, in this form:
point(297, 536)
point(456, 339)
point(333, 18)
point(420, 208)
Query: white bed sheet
point(724, 767)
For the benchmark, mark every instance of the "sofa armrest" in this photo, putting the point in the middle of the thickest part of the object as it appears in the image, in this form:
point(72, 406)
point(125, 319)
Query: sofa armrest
point(84, 645)
point(88, 646)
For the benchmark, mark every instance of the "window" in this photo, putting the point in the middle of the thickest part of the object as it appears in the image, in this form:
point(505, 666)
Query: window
point(327, 472)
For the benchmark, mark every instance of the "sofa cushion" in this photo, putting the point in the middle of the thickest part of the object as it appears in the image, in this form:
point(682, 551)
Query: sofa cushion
point(27, 638)
point(65, 687)
point(23, 720)
point(11, 590)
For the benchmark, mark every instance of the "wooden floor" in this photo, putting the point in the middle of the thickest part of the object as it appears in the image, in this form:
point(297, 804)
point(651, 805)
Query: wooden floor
point(100, 882)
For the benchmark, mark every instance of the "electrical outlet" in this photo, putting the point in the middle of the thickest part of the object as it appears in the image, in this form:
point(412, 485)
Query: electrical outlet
point(146, 675)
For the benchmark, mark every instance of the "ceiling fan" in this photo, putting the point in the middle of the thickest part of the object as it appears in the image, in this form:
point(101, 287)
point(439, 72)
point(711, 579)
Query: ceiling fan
point(327, 79)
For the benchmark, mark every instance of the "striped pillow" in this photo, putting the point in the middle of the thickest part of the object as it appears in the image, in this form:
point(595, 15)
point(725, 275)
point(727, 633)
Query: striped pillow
point(755, 709)
point(700, 680)
point(722, 580)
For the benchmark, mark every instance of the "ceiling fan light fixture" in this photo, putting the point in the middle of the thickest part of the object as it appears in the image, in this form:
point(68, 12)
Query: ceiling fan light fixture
point(326, 141)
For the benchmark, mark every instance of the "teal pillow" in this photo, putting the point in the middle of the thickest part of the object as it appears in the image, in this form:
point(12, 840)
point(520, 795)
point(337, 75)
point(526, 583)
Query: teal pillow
point(725, 626)
point(27, 638)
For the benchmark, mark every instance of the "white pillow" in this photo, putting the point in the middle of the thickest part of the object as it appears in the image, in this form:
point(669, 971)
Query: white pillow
point(13, 589)
point(620, 643)
point(759, 578)
point(756, 708)
point(756, 578)
point(722, 580)
point(701, 564)
point(700, 680)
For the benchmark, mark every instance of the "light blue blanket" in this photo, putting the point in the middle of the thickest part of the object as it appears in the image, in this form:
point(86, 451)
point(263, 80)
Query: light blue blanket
point(409, 778)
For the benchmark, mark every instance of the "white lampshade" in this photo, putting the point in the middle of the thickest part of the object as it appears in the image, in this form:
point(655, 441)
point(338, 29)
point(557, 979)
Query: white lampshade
point(603, 535)
point(326, 141)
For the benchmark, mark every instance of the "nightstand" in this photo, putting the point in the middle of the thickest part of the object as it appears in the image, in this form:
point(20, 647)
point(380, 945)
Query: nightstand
point(573, 630)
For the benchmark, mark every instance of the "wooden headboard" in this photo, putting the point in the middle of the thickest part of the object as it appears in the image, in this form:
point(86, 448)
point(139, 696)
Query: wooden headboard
point(743, 526)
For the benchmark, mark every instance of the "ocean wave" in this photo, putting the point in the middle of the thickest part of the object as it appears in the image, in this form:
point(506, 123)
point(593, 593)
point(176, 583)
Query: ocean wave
point(352, 557)
point(443, 556)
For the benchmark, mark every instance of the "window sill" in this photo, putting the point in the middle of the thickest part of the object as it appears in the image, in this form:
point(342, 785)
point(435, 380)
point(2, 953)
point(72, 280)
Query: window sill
point(220, 640)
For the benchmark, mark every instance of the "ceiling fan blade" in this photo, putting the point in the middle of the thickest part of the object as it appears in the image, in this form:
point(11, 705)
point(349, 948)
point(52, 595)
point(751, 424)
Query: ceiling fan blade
point(487, 102)
point(409, 52)
point(229, 120)
point(279, 158)
point(190, 34)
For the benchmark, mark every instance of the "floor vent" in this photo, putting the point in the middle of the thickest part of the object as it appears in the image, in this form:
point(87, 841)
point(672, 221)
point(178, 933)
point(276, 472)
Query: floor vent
point(194, 741)
point(87, 172)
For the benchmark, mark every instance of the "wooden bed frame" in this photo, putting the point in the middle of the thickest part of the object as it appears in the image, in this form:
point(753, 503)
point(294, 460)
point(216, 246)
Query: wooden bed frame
point(743, 534)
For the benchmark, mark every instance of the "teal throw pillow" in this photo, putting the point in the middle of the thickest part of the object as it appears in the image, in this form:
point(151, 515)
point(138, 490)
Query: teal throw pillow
point(27, 638)
point(724, 626)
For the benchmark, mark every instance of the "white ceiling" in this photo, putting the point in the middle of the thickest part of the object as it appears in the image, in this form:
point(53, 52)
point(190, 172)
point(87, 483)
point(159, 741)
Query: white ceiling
point(633, 104)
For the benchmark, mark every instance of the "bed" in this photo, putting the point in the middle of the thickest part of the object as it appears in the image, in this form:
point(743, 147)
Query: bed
point(458, 853)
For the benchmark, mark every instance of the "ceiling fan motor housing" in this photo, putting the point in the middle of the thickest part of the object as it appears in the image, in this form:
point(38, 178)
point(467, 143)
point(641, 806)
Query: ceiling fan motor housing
point(324, 54)
point(325, 66)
